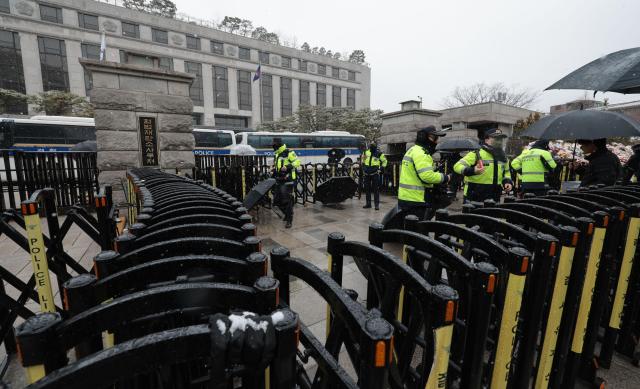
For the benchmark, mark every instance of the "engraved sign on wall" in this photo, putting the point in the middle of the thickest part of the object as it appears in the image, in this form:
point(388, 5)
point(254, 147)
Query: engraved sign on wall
point(149, 141)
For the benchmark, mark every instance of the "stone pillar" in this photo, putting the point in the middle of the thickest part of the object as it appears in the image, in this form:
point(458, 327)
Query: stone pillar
point(128, 98)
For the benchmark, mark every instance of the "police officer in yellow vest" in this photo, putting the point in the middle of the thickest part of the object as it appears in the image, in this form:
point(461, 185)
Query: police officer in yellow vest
point(417, 174)
point(285, 164)
point(532, 166)
point(485, 170)
point(373, 161)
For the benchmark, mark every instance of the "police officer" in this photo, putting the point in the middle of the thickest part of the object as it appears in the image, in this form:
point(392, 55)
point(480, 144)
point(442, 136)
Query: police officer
point(604, 166)
point(373, 161)
point(285, 164)
point(532, 165)
point(484, 170)
point(417, 174)
point(632, 167)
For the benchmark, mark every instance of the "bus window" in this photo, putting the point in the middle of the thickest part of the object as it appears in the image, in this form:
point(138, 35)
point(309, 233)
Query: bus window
point(292, 141)
point(308, 142)
point(7, 128)
point(39, 134)
point(76, 134)
point(253, 141)
point(238, 139)
point(266, 142)
point(224, 139)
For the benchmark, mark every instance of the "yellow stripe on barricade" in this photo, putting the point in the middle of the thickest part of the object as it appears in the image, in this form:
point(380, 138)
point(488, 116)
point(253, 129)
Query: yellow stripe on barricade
point(587, 290)
point(35, 373)
point(438, 374)
point(508, 326)
point(39, 262)
point(625, 272)
point(555, 316)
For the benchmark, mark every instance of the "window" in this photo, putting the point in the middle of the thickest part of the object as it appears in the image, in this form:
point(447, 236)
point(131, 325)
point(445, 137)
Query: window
point(351, 98)
point(322, 69)
point(165, 63)
point(244, 90)
point(195, 90)
point(244, 53)
point(193, 42)
point(286, 108)
point(217, 48)
point(4, 6)
point(231, 121)
point(53, 63)
point(352, 76)
point(131, 30)
point(335, 72)
point(286, 62)
point(321, 95)
point(267, 97)
point(51, 14)
point(212, 139)
point(220, 87)
point(302, 65)
point(304, 93)
point(88, 21)
point(264, 57)
point(89, 51)
point(336, 101)
point(160, 36)
point(339, 141)
point(11, 67)
point(196, 120)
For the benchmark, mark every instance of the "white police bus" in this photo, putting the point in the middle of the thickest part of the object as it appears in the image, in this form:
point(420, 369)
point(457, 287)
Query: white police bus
point(45, 133)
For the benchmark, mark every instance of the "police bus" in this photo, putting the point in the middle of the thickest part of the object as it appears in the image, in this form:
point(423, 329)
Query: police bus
point(61, 133)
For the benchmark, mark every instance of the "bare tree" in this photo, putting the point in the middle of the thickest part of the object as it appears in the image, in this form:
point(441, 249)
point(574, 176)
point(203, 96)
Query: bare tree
point(305, 47)
point(497, 92)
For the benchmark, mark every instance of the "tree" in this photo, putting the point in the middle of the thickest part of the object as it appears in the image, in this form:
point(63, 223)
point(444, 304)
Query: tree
point(262, 34)
point(246, 27)
point(60, 103)
point(230, 24)
point(305, 47)
point(314, 50)
point(336, 56)
point(522, 124)
point(497, 92)
point(258, 32)
point(357, 56)
point(10, 100)
point(329, 54)
point(322, 51)
point(159, 7)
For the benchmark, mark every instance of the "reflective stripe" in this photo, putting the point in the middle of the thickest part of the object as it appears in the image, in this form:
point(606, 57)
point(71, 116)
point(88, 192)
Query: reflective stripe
point(407, 158)
point(412, 187)
point(426, 169)
point(487, 160)
point(533, 173)
point(465, 163)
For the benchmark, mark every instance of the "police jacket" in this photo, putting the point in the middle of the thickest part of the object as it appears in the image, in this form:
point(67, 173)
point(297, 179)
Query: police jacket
point(632, 167)
point(416, 174)
point(532, 165)
point(371, 162)
point(286, 159)
point(603, 168)
point(486, 185)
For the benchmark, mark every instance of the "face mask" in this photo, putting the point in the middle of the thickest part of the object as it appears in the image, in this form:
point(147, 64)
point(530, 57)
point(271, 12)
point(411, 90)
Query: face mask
point(497, 143)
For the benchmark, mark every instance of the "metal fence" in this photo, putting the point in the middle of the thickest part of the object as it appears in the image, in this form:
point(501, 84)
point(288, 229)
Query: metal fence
point(72, 175)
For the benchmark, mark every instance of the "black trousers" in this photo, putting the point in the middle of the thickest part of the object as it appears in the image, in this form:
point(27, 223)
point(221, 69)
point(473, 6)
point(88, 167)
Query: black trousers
point(283, 199)
point(424, 211)
point(372, 183)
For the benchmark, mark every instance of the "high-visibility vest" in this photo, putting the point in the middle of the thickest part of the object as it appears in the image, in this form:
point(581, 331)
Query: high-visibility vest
point(532, 165)
point(373, 160)
point(416, 174)
point(290, 159)
point(487, 177)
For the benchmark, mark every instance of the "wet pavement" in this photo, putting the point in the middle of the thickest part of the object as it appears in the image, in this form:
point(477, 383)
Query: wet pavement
point(307, 240)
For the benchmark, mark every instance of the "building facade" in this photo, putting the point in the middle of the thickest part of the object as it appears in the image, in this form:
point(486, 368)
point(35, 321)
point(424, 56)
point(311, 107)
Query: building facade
point(41, 42)
point(398, 131)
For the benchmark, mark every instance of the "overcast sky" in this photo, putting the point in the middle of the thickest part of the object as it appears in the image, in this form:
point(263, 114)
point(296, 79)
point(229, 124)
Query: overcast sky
point(427, 48)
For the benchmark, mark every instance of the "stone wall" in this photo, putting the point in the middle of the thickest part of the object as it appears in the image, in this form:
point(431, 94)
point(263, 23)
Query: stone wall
point(121, 95)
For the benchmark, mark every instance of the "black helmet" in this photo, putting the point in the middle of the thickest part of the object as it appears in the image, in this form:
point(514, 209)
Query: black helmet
point(422, 137)
point(277, 143)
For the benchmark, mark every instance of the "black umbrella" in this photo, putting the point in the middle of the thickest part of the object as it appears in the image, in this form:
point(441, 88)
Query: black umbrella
point(336, 190)
point(87, 145)
point(258, 192)
point(589, 124)
point(457, 144)
point(616, 72)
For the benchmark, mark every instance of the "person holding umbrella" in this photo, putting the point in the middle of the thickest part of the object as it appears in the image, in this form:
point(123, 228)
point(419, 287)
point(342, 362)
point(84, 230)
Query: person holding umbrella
point(418, 175)
point(485, 170)
point(373, 161)
point(285, 164)
point(533, 165)
point(604, 166)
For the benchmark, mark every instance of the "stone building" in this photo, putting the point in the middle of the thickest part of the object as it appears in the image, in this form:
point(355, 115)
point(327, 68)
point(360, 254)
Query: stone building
point(399, 128)
point(40, 44)
point(575, 105)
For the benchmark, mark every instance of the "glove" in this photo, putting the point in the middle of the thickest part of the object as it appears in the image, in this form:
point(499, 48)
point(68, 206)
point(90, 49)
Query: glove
point(447, 179)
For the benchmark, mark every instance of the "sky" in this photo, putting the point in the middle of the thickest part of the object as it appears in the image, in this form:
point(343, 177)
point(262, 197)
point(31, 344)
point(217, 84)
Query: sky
point(427, 48)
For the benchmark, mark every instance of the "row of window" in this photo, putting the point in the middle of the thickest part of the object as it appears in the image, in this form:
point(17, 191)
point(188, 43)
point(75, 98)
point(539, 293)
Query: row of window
point(88, 21)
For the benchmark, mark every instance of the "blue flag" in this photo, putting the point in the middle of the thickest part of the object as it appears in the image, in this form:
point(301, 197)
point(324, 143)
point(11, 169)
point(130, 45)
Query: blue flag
point(258, 74)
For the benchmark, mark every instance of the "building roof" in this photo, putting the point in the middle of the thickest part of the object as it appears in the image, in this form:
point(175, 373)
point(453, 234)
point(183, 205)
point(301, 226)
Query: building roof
point(421, 111)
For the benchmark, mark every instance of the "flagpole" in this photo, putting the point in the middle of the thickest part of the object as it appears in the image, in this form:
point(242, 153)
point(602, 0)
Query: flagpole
point(261, 106)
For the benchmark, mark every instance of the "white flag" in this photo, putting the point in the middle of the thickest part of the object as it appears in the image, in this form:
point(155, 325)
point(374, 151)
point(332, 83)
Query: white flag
point(103, 46)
